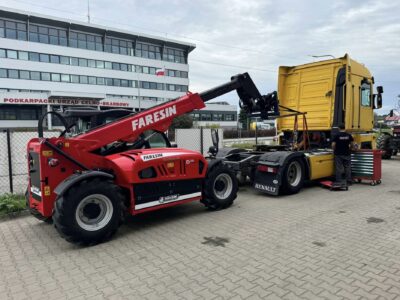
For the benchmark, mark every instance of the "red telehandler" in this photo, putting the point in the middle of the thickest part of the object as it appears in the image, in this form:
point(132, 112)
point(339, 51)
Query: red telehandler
point(87, 183)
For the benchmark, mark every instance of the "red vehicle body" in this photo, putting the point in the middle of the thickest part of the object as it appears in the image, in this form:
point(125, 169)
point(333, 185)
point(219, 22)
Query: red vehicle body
point(87, 183)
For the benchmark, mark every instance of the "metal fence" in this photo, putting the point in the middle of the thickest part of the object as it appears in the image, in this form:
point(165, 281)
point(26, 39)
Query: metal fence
point(13, 164)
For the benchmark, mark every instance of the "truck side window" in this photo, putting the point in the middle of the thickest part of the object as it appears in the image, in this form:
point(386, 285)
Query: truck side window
point(366, 94)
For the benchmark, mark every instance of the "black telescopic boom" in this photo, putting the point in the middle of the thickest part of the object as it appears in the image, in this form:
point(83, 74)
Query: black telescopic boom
point(250, 98)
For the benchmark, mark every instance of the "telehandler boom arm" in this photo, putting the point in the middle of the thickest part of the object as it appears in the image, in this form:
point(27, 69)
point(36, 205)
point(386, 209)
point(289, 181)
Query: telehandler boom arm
point(160, 117)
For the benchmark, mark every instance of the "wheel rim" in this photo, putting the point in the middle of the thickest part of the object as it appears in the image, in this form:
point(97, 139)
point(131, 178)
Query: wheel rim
point(223, 186)
point(294, 173)
point(94, 212)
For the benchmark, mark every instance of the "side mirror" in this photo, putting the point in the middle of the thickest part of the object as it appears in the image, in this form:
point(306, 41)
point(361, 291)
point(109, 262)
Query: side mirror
point(379, 89)
point(174, 145)
point(215, 137)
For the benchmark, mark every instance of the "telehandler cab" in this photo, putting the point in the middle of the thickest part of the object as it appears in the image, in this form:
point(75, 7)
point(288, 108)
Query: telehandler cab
point(87, 183)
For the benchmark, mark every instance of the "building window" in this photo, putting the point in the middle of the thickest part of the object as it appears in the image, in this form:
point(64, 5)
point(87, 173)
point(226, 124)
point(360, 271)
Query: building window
point(229, 117)
point(100, 81)
point(12, 54)
point(74, 61)
point(44, 57)
point(3, 73)
point(55, 77)
point(3, 53)
point(92, 80)
point(174, 55)
point(33, 56)
point(17, 112)
point(64, 60)
point(83, 62)
point(100, 64)
point(91, 63)
point(35, 75)
point(74, 78)
point(217, 117)
point(13, 74)
point(23, 55)
point(24, 75)
point(83, 79)
point(205, 117)
point(65, 78)
point(55, 59)
point(148, 51)
point(45, 76)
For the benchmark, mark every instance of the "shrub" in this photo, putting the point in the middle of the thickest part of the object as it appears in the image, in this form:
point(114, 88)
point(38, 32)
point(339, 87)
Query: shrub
point(10, 203)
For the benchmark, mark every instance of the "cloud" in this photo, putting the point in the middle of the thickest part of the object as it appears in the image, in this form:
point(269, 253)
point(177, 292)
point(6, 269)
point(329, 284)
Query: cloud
point(261, 34)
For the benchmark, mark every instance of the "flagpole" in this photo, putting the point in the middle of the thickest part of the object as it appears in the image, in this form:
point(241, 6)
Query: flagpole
point(138, 87)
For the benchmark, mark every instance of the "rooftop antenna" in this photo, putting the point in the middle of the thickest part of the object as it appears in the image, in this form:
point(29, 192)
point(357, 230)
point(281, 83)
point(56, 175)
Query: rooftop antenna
point(88, 11)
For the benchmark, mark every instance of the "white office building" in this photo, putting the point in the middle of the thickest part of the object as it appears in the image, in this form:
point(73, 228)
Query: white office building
point(48, 63)
point(220, 114)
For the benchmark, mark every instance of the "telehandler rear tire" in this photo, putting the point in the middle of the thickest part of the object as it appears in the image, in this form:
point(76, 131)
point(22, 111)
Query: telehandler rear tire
point(220, 187)
point(89, 212)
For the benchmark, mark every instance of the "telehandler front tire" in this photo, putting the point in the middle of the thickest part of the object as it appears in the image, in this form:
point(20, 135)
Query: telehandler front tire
point(89, 212)
point(220, 188)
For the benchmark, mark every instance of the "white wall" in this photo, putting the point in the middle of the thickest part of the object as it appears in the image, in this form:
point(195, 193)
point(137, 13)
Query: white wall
point(191, 139)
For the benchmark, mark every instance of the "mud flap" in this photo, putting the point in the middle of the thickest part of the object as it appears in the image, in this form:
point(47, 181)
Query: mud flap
point(267, 182)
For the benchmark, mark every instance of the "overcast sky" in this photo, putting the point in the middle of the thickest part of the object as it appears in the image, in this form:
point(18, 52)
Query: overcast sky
point(234, 36)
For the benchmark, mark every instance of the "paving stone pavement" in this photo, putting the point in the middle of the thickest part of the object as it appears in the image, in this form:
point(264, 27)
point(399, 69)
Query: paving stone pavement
point(314, 245)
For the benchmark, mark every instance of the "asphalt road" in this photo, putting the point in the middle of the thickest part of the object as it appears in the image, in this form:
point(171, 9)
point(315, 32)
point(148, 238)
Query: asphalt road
point(317, 244)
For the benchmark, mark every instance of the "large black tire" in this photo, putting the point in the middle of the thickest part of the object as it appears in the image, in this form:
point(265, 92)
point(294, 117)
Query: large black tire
point(220, 187)
point(89, 212)
point(293, 177)
point(35, 213)
point(383, 143)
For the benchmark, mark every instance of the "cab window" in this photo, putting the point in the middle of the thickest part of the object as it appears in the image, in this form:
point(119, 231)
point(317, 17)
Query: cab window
point(156, 139)
point(366, 94)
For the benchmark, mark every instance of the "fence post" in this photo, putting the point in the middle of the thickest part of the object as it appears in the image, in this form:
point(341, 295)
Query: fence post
point(256, 134)
point(9, 161)
point(201, 141)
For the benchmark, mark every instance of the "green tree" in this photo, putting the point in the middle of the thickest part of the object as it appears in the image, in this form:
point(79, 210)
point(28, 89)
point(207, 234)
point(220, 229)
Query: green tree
point(184, 121)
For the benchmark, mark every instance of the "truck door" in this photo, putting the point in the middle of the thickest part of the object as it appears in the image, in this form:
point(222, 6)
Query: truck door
point(362, 106)
point(366, 110)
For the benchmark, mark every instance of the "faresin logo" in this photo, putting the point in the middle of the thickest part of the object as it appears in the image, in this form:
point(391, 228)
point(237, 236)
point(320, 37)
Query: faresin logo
point(154, 117)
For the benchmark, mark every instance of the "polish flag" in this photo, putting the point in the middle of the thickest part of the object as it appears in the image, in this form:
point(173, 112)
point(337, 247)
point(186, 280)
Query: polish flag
point(160, 72)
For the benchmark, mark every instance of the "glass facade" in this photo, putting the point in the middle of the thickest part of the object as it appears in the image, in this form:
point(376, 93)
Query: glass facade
point(40, 33)
point(83, 62)
point(213, 116)
point(66, 78)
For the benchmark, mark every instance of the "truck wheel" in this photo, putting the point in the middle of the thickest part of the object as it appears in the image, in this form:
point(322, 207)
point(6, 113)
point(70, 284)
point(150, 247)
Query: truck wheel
point(220, 188)
point(293, 177)
point(35, 213)
point(382, 143)
point(89, 212)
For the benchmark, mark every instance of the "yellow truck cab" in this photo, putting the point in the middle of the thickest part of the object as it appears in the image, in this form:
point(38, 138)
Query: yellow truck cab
point(312, 101)
point(327, 93)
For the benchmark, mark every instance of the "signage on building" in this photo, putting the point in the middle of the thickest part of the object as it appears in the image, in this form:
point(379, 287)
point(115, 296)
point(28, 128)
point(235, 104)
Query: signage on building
point(42, 101)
